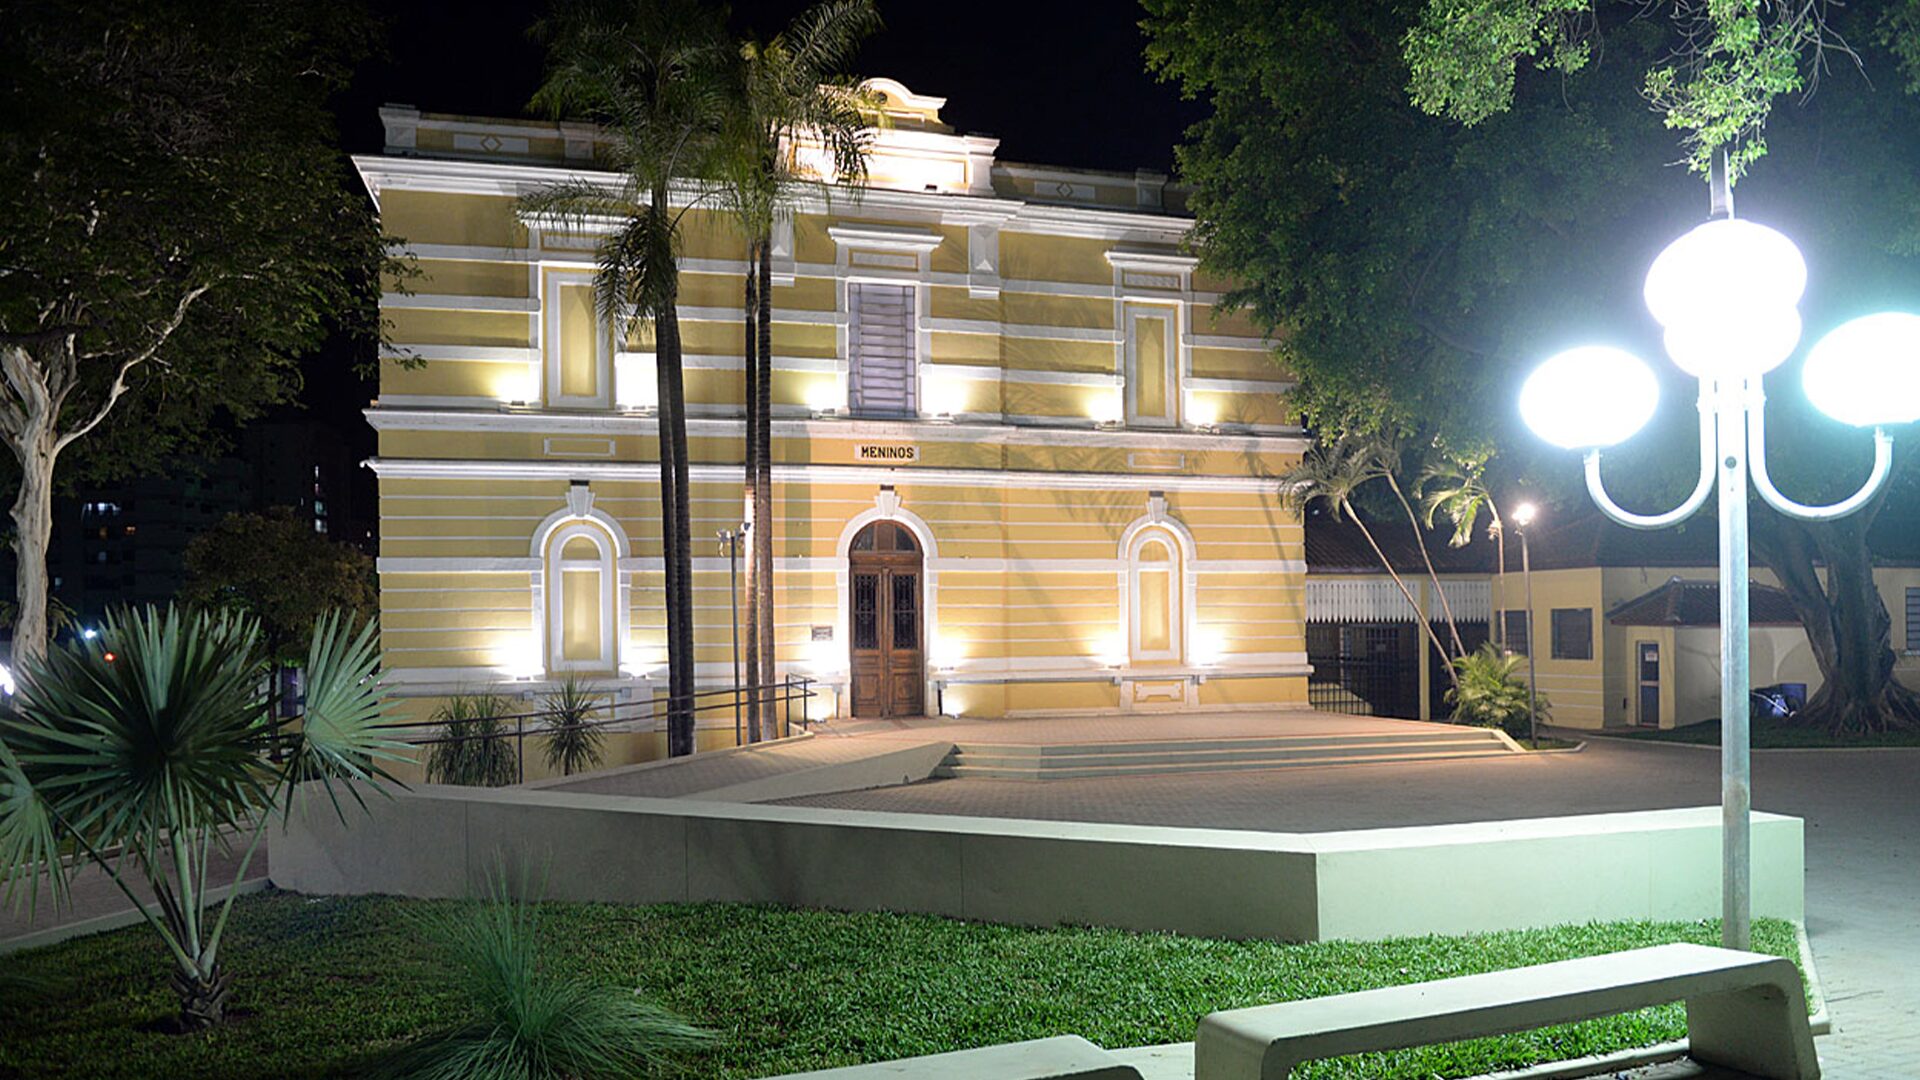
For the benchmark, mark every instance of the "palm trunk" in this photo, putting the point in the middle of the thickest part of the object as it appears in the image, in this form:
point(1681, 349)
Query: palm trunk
point(763, 494)
point(32, 531)
point(754, 405)
point(1420, 538)
point(1495, 615)
point(1419, 616)
point(675, 519)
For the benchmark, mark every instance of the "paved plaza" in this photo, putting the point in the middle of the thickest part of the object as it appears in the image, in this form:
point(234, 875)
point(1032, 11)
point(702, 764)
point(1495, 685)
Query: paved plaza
point(1862, 809)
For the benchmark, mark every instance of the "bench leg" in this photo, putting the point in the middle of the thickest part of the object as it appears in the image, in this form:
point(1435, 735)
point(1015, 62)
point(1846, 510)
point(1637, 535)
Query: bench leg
point(1760, 1030)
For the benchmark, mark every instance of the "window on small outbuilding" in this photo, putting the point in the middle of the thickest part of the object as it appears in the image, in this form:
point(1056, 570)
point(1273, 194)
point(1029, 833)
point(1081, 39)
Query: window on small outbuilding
point(1573, 633)
point(1913, 620)
point(1516, 632)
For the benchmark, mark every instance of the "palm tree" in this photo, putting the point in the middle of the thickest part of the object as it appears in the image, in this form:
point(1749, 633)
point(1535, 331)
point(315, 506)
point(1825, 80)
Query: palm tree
point(655, 75)
point(1456, 488)
point(155, 743)
point(1331, 473)
point(790, 87)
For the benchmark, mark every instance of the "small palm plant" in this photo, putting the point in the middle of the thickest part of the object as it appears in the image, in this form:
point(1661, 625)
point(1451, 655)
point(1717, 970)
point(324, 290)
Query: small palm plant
point(573, 742)
point(149, 747)
point(471, 747)
point(1490, 692)
point(525, 1018)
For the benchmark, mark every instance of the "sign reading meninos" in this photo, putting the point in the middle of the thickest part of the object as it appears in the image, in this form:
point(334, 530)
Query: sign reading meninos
point(881, 452)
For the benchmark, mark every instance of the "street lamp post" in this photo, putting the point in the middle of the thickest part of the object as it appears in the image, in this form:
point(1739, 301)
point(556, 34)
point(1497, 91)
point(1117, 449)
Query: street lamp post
point(1726, 294)
point(1523, 516)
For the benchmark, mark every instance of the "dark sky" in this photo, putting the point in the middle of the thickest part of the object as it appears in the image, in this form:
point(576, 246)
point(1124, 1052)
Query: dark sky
point(1060, 82)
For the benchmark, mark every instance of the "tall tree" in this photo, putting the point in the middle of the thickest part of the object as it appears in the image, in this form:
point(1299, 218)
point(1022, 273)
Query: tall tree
point(655, 75)
point(1416, 267)
point(792, 88)
point(177, 227)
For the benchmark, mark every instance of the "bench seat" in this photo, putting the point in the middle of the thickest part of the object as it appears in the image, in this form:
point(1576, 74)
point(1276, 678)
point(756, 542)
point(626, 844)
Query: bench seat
point(1745, 1011)
point(1064, 1057)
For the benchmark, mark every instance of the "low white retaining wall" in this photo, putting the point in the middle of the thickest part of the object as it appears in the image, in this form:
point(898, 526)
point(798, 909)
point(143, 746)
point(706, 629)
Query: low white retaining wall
point(443, 841)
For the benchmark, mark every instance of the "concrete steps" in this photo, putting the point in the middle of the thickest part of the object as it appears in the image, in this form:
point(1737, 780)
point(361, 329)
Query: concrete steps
point(1081, 760)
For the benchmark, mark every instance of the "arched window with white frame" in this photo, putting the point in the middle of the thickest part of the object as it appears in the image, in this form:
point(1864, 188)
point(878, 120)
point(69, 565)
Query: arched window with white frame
point(1156, 597)
point(581, 588)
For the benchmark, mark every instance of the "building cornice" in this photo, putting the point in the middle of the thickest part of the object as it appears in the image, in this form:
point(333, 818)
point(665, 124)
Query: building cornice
point(386, 418)
point(384, 172)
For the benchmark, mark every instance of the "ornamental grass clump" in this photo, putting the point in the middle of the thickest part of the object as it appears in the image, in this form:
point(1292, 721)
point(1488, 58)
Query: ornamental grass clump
point(1491, 693)
point(154, 745)
point(472, 747)
point(526, 1019)
point(573, 743)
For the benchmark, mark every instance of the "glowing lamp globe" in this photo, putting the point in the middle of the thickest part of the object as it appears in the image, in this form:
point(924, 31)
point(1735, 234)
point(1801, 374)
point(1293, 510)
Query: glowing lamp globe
point(1726, 293)
point(1867, 372)
point(1589, 397)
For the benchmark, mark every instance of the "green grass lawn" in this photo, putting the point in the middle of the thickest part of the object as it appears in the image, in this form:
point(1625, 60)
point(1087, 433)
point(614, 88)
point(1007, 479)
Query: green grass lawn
point(1770, 733)
point(326, 985)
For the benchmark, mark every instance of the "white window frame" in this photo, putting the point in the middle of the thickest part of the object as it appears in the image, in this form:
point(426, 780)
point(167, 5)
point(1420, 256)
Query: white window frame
point(1169, 314)
point(886, 255)
point(551, 282)
point(556, 566)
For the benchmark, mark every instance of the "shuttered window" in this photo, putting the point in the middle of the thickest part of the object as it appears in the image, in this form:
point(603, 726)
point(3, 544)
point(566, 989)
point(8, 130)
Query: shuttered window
point(1516, 628)
point(1573, 633)
point(1913, 620)
point(880, 349)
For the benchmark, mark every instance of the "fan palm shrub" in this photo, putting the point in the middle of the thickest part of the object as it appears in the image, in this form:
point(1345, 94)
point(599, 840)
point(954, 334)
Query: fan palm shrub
point(471, 747)
point(150, 747)
point(528, 1020)
point(1489, 692)
point(573, 741)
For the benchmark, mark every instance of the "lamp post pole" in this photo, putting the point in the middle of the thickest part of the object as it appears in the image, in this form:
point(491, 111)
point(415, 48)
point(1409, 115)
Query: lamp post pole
point(1727, 294)
point(1533, 677)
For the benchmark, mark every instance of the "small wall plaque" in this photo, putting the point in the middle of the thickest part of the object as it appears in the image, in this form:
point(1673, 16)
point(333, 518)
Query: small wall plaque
point(887, 452)
point(823, 633)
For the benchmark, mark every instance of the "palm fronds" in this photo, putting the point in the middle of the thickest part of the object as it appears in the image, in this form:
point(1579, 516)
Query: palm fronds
point(472, 749)
point(573, 742)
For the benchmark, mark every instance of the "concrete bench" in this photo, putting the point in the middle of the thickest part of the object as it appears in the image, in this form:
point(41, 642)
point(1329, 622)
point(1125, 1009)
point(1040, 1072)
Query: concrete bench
point(1066, 1057)
point(1745, 1012)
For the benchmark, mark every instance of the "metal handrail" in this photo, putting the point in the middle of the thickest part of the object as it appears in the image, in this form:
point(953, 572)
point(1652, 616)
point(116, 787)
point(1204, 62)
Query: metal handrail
point(785, 692)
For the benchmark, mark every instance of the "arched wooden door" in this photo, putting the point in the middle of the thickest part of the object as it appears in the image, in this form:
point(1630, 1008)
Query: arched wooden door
point(889, 667)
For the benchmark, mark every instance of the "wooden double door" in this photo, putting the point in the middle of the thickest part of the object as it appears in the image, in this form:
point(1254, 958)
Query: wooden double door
point(889, 660)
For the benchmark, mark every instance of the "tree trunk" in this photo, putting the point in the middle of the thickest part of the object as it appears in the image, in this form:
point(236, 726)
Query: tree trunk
point(32, 531)
point(675, 520)
point(763, 494)
point(1847, 625)
point(755, 405)
point(203, 998)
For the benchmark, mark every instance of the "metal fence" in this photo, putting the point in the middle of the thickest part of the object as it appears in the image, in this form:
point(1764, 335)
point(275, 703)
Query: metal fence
point(1364, 686)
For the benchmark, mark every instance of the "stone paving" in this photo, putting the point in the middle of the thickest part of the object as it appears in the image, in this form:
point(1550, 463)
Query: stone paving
point(1863, 840)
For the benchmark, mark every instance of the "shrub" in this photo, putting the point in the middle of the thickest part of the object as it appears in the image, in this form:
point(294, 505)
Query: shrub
point(527, 1020)
point(573, 744)
point(473, 749)
point(146, 747)
point(1491, 692)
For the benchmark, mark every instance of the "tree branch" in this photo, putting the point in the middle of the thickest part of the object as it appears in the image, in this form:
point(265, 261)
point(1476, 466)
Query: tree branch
point(119, 384)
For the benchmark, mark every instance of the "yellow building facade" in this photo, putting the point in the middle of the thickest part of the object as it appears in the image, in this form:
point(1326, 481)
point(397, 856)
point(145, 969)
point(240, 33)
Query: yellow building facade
point(1022, 465)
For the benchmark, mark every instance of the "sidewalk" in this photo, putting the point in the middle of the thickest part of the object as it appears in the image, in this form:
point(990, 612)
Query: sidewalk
point(96, 903)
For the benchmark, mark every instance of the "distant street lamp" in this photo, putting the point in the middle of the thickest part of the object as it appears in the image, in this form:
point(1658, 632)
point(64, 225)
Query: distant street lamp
point(1523, 516)
point(1727, 295)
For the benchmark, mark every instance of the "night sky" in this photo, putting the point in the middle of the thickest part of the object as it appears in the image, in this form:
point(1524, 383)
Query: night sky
point(1060, 82)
